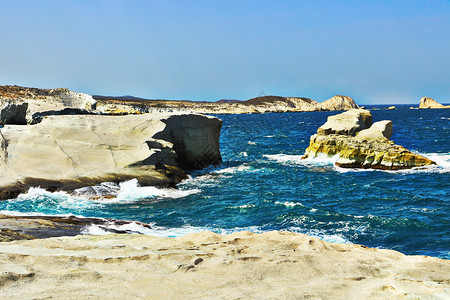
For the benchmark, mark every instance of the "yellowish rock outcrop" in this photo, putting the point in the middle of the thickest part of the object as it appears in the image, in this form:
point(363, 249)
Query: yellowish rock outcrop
point(338, 102)
point(427, 102)
point(359, 144)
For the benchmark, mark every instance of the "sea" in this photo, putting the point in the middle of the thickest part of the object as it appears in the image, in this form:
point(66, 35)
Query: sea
point(264, 185)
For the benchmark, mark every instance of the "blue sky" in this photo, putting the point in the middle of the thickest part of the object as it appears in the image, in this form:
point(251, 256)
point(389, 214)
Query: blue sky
point(374, 51)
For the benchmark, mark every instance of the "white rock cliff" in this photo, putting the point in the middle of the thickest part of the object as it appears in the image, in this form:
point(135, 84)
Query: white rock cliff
point(68, 152)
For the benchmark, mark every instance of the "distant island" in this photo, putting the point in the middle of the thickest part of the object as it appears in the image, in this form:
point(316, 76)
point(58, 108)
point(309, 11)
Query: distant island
point(263, 104)
point(40, 100)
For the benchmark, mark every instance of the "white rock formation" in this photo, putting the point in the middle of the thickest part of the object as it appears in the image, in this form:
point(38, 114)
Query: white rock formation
point(78, 100)
point(347, 123)
point(338, 102)
point(379, 130)
point(68, 152)
point(426, 102)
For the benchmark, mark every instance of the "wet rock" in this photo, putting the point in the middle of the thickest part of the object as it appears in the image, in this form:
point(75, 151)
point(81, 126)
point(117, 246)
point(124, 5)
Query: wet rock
point(38, 227)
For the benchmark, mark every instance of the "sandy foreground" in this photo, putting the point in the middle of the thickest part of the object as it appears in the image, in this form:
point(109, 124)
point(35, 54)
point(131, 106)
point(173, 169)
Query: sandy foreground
point(205, 265)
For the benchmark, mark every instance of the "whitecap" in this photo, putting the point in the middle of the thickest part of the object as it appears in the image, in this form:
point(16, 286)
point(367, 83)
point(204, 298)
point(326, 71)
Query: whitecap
point(245, 206)
point(332, 238)
point(35, 214)
point(441, 159)
point(442, 166)
point(289, 204)
point(251, 143)
point(321, 160)
point(232, 170)
point(206, 180)
point(127, 191)
point(35, 192)
point(130, 190)
point(159, 231)
point(107, 228)
point(284, 158)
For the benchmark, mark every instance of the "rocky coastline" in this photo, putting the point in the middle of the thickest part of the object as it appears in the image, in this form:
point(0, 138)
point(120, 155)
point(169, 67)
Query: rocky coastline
point(37, 102)
point(58, 139)
point(258, 105)
point(360, 143)
point(66, 141)
point(242, 265)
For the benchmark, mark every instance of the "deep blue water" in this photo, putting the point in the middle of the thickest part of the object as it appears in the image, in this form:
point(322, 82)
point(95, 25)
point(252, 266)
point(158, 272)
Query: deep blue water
point(263, 185)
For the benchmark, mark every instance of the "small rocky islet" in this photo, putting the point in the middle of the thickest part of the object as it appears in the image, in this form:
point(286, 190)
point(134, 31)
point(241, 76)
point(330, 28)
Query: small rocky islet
point(360, 143)
point(427, 102)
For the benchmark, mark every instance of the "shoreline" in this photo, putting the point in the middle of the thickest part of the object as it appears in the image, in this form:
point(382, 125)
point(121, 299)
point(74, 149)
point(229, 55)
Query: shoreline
point(22, 227)
point(208, 265)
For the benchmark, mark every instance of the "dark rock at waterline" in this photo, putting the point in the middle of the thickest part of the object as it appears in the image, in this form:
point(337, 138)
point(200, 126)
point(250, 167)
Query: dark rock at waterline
point(37, 227)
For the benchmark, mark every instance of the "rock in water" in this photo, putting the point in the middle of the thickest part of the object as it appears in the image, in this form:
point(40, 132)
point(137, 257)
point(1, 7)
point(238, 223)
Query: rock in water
point(378, 131)
point(338, 102)
point(347, 123)
point(426, 102)
point(69, 152)
point(360, 144)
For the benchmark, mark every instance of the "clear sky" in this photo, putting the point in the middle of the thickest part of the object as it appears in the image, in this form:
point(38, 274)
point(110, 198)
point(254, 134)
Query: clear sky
point(374, 51)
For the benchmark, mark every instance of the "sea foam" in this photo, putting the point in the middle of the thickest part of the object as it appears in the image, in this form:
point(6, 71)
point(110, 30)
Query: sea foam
point(127, 191)
point(321, 160)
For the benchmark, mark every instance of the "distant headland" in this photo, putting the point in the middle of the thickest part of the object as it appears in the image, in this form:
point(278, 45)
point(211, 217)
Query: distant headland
point(40, 100)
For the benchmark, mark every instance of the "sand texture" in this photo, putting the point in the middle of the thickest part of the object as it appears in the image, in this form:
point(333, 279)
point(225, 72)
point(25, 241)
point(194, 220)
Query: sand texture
point(272, 265)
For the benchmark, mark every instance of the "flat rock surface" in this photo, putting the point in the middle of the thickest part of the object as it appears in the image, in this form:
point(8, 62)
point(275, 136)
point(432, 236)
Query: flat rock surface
point(243, 265)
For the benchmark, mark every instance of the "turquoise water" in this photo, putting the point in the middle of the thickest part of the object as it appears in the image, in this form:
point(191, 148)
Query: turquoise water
point(264, 185)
